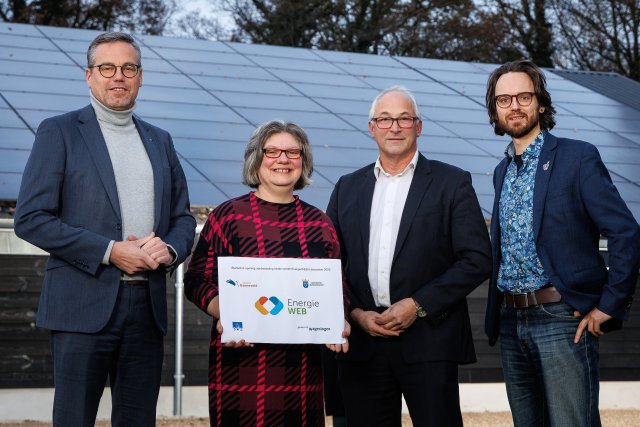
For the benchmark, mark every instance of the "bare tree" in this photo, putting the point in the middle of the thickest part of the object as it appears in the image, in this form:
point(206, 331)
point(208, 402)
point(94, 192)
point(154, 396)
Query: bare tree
point(195, 25)
point(433, 28)
point(279, 22)
point(362, 25)
point(454, 30)
point(601, 35)
point(529, 26)
point(143, 16)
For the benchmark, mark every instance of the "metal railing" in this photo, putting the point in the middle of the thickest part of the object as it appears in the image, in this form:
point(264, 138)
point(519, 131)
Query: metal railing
point(178, 375)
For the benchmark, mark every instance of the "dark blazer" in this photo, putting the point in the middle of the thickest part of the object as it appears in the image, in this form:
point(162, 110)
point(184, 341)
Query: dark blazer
point(442, 253)
point(68, 206)
point(574, 203)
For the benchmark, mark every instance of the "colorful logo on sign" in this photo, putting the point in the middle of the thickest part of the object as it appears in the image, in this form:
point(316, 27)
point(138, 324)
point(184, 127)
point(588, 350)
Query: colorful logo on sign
point(271, 305)
point(305, 283)
point(232, 282)
point(237, 326)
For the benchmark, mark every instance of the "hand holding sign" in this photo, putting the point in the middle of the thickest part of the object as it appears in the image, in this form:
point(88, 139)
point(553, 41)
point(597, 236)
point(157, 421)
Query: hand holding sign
point(281, 300)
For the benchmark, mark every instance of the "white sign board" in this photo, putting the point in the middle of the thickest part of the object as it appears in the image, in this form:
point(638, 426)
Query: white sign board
point(281, 300)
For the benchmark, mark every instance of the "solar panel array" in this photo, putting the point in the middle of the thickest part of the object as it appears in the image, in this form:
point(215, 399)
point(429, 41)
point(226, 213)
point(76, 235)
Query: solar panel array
point(211, 96)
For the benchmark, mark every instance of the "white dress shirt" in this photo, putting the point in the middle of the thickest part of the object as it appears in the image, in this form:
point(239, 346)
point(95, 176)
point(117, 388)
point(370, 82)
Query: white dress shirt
point(389, 196)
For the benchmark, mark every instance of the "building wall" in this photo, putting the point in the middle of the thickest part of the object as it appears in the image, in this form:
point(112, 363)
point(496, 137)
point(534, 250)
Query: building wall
point(25, 359)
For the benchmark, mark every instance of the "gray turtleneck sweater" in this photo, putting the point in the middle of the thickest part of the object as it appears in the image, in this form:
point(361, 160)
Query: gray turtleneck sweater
point(132, 169)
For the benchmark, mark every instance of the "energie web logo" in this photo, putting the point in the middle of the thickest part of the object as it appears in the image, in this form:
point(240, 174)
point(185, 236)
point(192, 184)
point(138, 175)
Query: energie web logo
point(274, 303)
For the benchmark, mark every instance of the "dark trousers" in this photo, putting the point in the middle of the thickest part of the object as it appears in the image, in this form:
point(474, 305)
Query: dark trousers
point(373, 390)
point(129, 350)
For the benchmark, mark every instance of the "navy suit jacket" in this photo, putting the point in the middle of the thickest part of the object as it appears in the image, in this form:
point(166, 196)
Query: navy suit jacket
point(68, 206)
point(442, 253)
point(574, 203)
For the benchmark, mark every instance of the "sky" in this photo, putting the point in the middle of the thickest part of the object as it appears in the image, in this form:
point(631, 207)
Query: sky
point(206, 8)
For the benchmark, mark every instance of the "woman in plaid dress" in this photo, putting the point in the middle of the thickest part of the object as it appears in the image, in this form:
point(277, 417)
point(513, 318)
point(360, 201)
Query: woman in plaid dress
point(264, 384)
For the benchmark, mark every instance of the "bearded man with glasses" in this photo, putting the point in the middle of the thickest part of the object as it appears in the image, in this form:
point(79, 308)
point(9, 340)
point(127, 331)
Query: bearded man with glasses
point(104, 193)
point(551, 296)
point(414, 245)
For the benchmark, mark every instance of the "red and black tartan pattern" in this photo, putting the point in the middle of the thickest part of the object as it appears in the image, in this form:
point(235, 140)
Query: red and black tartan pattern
point(267, 385)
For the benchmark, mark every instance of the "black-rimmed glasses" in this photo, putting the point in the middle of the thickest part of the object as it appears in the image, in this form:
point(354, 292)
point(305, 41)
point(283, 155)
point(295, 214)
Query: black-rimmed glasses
point(387, 122)
point(274, 153)
point(109, 70)
point(523, 98)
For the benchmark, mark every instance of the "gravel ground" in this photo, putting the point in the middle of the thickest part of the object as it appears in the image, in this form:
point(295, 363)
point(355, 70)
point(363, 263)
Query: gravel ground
point(617, 418)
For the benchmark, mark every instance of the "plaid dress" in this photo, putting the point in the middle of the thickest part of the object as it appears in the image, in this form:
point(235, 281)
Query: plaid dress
point(269, 384)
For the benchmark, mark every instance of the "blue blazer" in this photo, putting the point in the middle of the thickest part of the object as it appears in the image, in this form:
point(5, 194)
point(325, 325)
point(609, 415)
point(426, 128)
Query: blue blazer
point(68, 206)
point(442, 253)
point(574, 203)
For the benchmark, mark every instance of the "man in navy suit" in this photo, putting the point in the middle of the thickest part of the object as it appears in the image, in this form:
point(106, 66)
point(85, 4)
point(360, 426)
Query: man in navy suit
point(104, 193)
point(551, 295)
point(414, 245)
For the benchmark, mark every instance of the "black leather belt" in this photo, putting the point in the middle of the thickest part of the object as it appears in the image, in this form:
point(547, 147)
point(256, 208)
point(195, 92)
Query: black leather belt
point(530, 299)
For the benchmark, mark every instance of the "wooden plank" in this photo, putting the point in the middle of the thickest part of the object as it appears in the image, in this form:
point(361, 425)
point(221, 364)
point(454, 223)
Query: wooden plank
point(25, 359)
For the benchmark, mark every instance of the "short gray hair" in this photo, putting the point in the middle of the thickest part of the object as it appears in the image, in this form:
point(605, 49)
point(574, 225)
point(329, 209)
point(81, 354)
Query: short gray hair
point(111, 37)
point(253, 155)
point(396, 88)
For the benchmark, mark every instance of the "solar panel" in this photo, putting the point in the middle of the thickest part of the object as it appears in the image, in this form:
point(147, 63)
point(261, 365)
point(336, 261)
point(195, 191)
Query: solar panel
point(211, 95)
point(269, 101)
point(19, 29)
point(635, 136)
point(22, 68)
point(176, 95)
point(316, 64)
point(425, 64)
point(182, 43)
point(19, 139)
point(203, 193)
point(13, 161)
point(11, 41)
point(9, 119)
point(444, 145)
point(202, 149)
point(184, 111)
point(277, 51)
point(317, 78)
point(339, 138)
point(43, 85)
point(41, 56)
point(9, 184)
point(354, 58)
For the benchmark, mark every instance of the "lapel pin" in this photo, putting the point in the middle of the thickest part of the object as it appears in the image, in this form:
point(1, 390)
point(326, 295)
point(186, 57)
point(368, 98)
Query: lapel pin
point(545, 166)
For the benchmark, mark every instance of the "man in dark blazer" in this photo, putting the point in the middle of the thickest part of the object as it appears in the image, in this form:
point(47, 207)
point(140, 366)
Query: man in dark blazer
point(104, 193)
point(551, 295)
point(414, 245)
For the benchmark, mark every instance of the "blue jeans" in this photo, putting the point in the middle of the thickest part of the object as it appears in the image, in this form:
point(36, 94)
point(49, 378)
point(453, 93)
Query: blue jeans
point(550, 380)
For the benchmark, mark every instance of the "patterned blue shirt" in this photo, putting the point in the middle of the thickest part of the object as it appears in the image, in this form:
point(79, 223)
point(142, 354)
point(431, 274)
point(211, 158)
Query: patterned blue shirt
point(520, 267)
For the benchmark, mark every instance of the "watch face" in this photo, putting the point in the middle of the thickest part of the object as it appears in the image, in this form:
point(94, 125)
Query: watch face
point(420, 312)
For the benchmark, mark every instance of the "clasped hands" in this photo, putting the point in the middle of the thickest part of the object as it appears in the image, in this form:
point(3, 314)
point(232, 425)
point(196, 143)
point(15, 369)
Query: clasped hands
point(391, 322)
point(135, 255)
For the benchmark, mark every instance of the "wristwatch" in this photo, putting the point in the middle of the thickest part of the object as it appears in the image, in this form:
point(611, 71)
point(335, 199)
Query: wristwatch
point(420, 312)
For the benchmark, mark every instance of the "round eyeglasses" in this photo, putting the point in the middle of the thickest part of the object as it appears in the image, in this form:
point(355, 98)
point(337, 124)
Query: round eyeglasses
point(109, 70)
point(523, 98)
point(387, 122)
point(274, 153)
